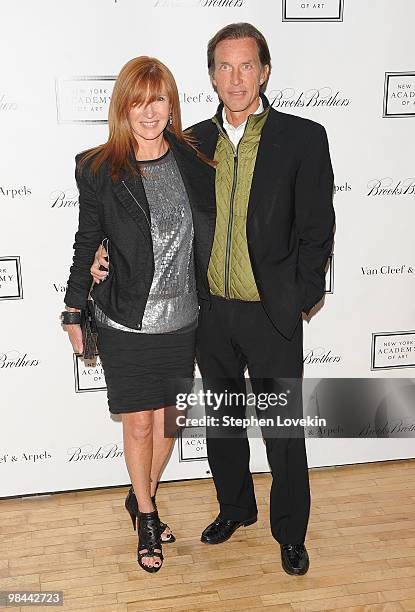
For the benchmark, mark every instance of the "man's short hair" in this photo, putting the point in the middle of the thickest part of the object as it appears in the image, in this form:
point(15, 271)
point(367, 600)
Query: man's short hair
point(234, 31)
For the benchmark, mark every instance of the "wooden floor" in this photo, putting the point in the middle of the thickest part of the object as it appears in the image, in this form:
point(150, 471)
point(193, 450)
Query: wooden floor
point(361, 541)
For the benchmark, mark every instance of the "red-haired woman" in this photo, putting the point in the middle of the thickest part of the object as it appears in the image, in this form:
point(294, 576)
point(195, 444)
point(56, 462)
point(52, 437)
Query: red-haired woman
point(149, 192)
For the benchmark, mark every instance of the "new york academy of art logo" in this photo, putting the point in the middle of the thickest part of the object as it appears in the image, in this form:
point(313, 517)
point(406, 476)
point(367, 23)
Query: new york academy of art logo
point(192, 444)
point(399, 94)
point(89, 375)
point(199, 3)
point(83, 99)
point(298, 10)
point(11, 287)
point(393, 350)
point(330, 275)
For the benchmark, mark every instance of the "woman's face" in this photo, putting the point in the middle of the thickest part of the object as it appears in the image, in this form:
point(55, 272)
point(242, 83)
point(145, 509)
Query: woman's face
point(149, 120)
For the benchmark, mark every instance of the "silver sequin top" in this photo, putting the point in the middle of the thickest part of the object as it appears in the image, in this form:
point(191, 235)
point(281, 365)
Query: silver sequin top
point(172, 302)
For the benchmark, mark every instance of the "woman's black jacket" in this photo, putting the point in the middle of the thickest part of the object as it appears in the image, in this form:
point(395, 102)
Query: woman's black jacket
point(119, 211)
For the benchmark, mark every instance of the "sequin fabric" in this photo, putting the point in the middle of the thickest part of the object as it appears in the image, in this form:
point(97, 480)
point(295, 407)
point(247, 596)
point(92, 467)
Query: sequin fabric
point(172, 302)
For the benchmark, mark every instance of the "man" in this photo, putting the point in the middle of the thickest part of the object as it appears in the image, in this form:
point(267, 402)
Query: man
point(266, 249)
point(273, 236)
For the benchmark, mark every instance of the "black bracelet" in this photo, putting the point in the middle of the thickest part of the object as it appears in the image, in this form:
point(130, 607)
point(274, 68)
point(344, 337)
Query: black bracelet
point(70, 318)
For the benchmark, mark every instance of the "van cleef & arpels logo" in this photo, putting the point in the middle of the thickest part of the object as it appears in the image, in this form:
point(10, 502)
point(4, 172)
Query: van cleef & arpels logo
point(388, 270)
point(15, 192)
point(28, 457)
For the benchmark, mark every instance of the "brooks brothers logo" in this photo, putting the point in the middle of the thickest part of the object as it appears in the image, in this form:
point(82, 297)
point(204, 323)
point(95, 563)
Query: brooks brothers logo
point(11, 287)
point(389, 186)
point(15, 359)
point(15, 192)
point(388, 270)
point(393, 350)
point(88, 452)
point(32, 457)
point(83, 99)
point(89, 375)
point(192, 444)
point(64, 198)
point(325, 97)
point(399, 94)
point(297, 10)
point(7, 105)
point(320, 355)
point(330, 275)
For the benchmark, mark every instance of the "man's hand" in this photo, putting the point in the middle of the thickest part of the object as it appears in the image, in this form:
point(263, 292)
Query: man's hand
point(100, 261)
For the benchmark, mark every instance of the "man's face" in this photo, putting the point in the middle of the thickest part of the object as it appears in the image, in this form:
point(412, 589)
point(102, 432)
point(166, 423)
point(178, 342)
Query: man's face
point(238, 75)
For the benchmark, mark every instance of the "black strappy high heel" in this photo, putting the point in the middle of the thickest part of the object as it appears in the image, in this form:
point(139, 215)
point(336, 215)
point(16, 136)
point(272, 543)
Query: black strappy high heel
point(149, 540)
point(132, 508)
point(163, 526)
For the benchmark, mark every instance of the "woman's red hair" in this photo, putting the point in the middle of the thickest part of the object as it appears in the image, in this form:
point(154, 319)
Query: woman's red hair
point(140, 81)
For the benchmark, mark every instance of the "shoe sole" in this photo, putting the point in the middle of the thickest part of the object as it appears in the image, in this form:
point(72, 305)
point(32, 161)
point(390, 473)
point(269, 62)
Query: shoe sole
point(244, 524)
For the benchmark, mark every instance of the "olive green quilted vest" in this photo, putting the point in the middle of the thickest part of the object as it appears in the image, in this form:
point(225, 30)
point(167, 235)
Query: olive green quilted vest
point(230, 273)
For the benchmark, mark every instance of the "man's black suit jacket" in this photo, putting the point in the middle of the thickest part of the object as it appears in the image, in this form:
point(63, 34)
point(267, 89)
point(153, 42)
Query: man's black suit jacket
point(290, 218)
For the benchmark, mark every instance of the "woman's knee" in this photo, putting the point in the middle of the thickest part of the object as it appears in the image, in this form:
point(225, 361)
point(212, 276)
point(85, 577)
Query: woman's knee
point(138, 425)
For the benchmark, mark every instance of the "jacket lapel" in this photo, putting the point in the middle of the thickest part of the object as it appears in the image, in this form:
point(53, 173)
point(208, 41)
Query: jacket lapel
point(209, 146)
point(130, 192)
point(268, 162)
point(193, 178)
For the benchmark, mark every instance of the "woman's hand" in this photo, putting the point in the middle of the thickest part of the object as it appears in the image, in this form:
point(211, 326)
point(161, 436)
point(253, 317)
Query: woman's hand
point(74, 333)
point(98, 274)
point(75, 337)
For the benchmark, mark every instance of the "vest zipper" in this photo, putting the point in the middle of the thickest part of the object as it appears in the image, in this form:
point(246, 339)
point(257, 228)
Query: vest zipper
point(230, 223)
point(231, 207)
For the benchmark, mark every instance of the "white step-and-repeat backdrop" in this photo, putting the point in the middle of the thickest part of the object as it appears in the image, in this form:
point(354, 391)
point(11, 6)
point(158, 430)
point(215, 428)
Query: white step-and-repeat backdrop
point(346, 64)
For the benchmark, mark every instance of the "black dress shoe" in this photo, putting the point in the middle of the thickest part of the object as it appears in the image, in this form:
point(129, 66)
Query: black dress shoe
point(294, 559)
point(221, 529)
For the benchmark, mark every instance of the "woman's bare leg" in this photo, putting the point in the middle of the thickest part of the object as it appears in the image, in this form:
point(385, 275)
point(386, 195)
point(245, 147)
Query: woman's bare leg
point(162, 446)
point(138, 452)
point(163, 441)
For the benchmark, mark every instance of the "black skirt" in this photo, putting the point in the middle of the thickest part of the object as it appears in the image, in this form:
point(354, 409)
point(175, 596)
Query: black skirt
point(145, 371)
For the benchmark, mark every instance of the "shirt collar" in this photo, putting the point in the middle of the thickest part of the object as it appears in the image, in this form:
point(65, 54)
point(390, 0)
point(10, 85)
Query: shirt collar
point(228, 126)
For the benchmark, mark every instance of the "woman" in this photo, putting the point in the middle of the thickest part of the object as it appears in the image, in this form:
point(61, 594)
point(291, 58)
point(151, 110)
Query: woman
point(147, 191)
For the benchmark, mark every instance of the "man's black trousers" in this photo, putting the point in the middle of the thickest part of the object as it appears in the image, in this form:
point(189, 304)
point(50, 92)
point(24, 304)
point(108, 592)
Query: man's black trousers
point(231, 335)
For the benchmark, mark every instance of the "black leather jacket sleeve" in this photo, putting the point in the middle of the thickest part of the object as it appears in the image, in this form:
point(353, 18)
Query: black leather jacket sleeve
point(87, 240)
point(314, 216)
